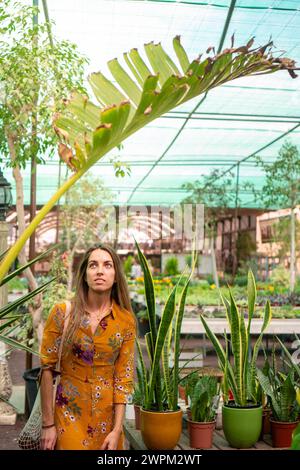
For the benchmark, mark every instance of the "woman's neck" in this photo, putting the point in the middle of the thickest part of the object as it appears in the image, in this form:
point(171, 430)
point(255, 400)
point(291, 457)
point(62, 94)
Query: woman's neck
point(98, 300)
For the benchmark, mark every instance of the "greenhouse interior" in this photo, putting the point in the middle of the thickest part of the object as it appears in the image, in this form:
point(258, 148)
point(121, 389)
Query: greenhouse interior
point(150, 225)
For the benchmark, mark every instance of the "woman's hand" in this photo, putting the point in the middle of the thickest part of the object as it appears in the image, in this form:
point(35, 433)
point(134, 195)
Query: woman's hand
point(111, 441)
point(48, 438)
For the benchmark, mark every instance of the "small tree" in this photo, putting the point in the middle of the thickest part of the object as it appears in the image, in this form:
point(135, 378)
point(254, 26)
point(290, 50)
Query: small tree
point(282, 190)
point(171, 266)
point(37, 75)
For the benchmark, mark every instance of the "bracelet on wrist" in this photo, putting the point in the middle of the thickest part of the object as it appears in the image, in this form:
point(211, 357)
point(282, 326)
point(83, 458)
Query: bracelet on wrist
point(48, 426)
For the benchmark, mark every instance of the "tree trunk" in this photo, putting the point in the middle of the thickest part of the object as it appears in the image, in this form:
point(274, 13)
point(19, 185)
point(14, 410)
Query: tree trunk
point(293, 251)
point(35, 308)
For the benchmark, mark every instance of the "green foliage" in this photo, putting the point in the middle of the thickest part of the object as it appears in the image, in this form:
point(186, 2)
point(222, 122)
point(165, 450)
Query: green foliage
point(138, 393)
point(280, 388)
point(245, 246)
point(281, 231)
point(240, 376)
point(296, 439)
point(215, 192)
point(128, 264)
point(12, 318)
point(17, 284)
point(160, 382)
point(57, 291)
point(282, 178)
point(36, 76)
point(171, 266)
point(280, 277)
point(204, 399)
point(188, 260)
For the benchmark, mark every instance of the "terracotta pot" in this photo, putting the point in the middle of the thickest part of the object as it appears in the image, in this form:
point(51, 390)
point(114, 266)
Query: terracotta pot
point(137, 414)
point(161, 430)
point(266, 426)
point(182, 394)
point(282, 433)
point(201, 434)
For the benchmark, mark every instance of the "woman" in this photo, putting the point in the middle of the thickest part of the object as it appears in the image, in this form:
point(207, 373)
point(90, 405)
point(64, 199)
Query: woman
point(97, 362)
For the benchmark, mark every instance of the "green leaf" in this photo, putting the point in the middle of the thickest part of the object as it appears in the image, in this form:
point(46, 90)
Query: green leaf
point(27, 265)
point(251, 296)
point(139, 64)
point(106, 93)
point(126, 83)
point(181, 54)
point(163, 329)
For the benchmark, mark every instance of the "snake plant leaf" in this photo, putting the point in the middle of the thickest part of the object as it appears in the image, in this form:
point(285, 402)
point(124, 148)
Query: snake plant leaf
point(223, 360)
point(166, 320)
point(149, 292)
point(289, 356)
point(80, 120)
point(251, 288)
point(178, 323)
point(166, 367)
point(143, 370)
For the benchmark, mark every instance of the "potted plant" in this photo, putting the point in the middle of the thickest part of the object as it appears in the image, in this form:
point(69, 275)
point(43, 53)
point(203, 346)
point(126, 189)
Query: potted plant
point(280, 388)
point(204, 399)
point(161, 417)
point(137, 396)
point(241, 416)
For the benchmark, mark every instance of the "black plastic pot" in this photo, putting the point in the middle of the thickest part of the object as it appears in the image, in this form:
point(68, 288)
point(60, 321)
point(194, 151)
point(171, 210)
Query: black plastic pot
point(31, 385)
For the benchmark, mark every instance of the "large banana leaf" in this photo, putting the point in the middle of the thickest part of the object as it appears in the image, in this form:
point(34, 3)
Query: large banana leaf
point(130, 101)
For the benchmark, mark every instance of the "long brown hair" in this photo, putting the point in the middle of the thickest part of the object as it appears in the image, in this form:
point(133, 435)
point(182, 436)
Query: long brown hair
point(119, 292)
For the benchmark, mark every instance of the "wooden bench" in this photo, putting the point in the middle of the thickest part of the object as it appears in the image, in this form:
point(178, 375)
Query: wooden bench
point(135, 440)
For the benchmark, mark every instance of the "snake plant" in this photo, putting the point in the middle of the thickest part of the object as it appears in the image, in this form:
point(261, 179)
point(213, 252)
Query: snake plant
point(205, 399)
point(160, 381)
point(135, 97)
point(240, 376)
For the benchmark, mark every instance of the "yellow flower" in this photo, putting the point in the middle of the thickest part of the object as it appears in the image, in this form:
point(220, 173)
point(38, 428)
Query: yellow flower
point(213, 286)
point(271, 288)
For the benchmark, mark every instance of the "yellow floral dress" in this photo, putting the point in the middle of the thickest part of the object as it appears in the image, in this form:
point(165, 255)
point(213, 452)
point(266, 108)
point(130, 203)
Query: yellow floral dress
point(97, 374)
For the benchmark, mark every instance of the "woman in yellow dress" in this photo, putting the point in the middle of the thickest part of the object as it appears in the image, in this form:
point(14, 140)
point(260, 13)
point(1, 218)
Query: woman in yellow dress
point(97, 363)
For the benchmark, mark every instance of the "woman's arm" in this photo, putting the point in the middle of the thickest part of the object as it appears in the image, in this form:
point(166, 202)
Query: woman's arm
point(119, 417)
point(112, 439)
point(46, 389)
point(49, 434)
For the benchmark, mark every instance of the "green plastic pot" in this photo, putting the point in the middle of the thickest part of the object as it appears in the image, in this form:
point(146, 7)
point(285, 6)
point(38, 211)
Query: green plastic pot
point(242, 425)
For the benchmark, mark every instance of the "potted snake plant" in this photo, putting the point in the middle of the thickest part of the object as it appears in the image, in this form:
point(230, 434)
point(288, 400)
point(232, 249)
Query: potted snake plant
point(204, 400)
point(242, 415)
point(281, 390)
point(161, 417)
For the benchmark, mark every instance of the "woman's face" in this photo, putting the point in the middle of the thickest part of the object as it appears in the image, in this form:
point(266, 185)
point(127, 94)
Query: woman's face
point(100, 271)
